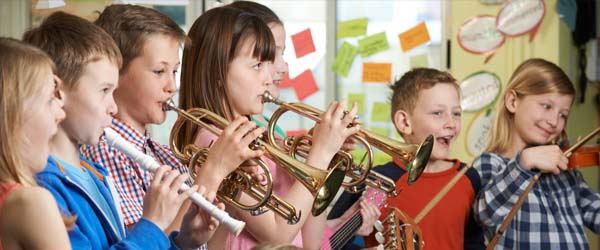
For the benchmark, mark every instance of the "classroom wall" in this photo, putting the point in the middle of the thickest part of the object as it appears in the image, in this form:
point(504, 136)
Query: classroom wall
point(553, 42)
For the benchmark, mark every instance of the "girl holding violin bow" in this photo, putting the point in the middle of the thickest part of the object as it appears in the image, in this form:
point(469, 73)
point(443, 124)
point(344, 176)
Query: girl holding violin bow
point(532, 113)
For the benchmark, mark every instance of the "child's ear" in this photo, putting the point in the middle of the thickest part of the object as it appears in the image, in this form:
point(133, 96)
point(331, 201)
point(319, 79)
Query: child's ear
point(402, 122)
point(510, 100)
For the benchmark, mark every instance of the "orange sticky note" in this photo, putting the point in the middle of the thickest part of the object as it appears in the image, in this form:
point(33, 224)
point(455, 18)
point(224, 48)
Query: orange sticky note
point(303, 43)
point(377, 72)
point(414, 37)
point(305, 85)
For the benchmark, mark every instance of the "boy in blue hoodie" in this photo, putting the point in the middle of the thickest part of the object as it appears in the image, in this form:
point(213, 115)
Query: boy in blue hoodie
point(88, 61)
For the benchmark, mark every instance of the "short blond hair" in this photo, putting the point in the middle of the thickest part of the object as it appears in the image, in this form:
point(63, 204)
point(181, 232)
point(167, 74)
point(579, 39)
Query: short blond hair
point(532, 77)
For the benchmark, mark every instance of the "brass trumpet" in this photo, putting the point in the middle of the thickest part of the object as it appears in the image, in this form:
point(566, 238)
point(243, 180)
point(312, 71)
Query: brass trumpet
point(322, 184)
point(417, 155)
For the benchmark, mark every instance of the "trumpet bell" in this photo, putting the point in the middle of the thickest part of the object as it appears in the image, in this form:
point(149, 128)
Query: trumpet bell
point(418, 164)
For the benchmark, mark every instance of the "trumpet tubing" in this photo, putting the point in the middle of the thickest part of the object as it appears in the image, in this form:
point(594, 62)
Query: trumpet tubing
point(416, 155)
point(320, 183)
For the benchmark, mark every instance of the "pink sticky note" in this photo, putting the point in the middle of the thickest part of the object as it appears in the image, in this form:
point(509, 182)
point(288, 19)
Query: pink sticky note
point(295, 132)
point(305, 85)
point(303, 43)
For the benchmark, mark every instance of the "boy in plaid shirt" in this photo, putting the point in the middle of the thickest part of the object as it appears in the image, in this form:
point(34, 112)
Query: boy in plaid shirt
point(149, 42)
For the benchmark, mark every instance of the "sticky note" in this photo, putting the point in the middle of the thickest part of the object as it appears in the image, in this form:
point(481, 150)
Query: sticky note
point(371, 45)
point(379, 131)
point(377, 72)
point(359, 98)
point(380, 112)
point(414, 37)
point(305, 85)
point(295, 132)
point(380, 158)
point(419, 61)
point(343, 59)
point(303, 43)
point(352, 28)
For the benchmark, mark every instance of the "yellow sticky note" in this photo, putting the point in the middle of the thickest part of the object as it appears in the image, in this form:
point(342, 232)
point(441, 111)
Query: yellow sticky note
point(419, 61)
point(414, 37)
point(371, 45)
point(358, 154)
point(359, 98)
point(352, 28)
point(380, 158)
point(381, 112)
point(344, 58)
point(377, 72)
point(379, 131)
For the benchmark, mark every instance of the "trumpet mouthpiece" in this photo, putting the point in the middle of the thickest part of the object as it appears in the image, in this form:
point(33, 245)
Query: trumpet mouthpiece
point(268, 97)
point(168, 105)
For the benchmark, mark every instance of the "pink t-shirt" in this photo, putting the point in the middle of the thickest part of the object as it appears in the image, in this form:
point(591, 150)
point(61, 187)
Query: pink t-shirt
point(5, 189)
point(282, 182)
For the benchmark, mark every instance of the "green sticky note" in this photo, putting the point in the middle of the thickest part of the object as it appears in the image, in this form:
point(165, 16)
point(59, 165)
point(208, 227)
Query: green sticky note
point(359, 98)
point(371, 45)
point(380, 158)
point(379, 131)
point(344, 58)
point(358, 154)
point(380, 112)
point(352, 28)
point(419, 61)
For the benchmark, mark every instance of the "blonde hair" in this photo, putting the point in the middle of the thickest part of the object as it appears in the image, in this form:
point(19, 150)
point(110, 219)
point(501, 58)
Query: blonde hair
point(272, 246)
point(22, 68)
point(532, 77)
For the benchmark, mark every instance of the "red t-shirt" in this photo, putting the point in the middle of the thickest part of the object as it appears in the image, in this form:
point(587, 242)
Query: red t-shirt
point(443, 227)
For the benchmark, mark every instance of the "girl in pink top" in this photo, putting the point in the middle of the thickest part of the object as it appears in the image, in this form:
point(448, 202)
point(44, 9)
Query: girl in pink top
point(29, 114)
point(224, 70)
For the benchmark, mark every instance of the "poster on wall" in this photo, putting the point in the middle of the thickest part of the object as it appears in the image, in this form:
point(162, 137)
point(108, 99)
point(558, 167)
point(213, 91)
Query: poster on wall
point(479, 35)
point(479, 90)
point(519, 17)
point(478, 131)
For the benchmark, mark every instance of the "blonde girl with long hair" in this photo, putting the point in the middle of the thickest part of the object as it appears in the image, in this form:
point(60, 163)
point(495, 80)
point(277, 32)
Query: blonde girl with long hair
point(29, 115)
point(531, 116)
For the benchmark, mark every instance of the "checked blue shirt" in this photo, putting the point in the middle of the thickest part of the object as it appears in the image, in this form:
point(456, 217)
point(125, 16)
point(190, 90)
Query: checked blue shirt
point(552, 217)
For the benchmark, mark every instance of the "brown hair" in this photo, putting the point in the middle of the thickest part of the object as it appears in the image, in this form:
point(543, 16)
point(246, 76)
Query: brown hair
point(217, 37)
point(261, 11)
point(405, 91)
point(21, 70)
point(532, 77)
point(72, 42)
point(131, 25)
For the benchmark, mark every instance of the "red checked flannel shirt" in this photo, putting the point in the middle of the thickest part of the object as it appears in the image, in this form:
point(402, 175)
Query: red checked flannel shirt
point(131, 181)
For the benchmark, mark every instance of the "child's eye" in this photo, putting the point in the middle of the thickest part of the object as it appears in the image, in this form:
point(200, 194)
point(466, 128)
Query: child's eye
point(257, 66)
point(457, 114)
point(564, 116)
point(546, 106)
point(158, 72)
point(437, 113)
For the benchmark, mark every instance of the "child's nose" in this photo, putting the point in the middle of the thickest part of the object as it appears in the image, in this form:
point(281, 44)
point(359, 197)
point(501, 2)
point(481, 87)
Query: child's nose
point(171, 85)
